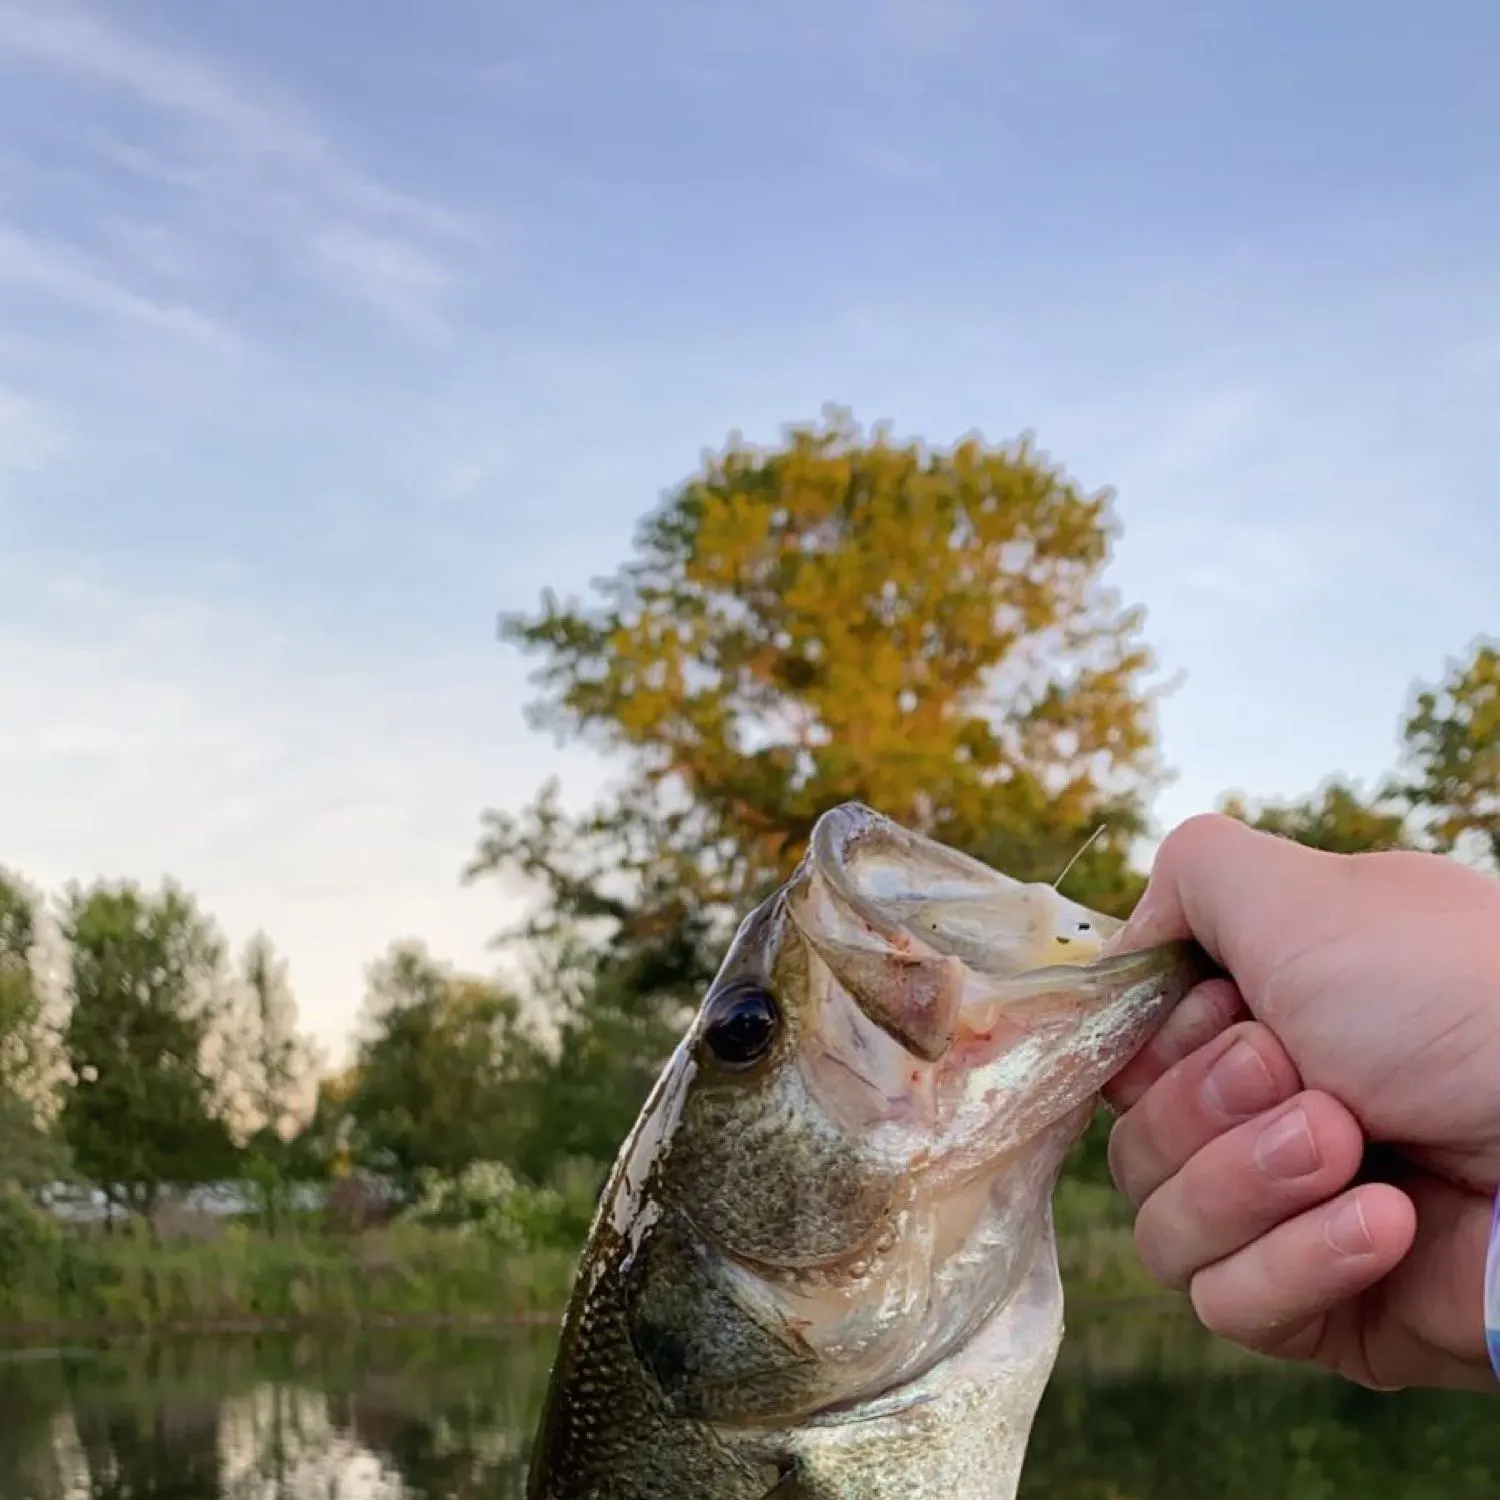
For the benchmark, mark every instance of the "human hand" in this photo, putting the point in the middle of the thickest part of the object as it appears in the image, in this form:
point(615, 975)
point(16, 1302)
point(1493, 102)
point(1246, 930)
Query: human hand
point(1363, 1008)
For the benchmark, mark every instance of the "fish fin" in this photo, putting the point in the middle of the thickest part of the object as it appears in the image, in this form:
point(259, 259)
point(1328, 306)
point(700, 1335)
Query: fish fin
point(790, 1486)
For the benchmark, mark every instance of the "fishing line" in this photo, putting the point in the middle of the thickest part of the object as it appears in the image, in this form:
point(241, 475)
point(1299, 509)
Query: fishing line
point(1087, 844)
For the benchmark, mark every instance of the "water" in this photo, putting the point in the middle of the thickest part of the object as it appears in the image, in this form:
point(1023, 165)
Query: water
point(1142, 1408)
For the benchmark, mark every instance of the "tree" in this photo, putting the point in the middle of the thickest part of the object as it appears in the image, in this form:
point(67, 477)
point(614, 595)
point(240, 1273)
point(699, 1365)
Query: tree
point(147, 990)
point(436, 1076)
point(618, 976)
point(278, 1067)
point(29, 1153)
point(280, 1062)
point(848, 617)
point(1339, 819)
point(840, 617)
point(1452, 759)
point(616, 1027)
point(20, 995)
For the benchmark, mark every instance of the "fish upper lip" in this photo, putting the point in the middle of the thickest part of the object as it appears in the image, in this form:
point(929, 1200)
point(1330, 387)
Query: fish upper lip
point(990, 1012)
point(832, 863)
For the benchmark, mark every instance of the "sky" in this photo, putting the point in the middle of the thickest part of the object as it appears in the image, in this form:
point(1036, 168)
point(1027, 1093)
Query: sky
point(327, 332)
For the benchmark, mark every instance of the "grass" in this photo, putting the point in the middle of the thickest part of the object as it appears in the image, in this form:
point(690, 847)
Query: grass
point(241, 1278)
point(126, 1283)
point(1095, 1243)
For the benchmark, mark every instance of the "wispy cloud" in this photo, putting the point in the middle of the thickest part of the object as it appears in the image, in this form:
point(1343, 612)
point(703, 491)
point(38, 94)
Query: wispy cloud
point(404, 284)
point(157, 249)
point(58, 271)
point(287, 185)
point(70, 39)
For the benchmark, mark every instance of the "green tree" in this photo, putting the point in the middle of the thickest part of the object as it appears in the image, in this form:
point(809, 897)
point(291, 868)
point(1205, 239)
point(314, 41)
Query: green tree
point(29, 1152)
point(143, 1110)
point(1452, 759)
point(21, 1043)
point(322, 1148)
point(616, 1025)
point(1339, 819)
point(621, 950)
point(277, 1067)
point(437, 1075)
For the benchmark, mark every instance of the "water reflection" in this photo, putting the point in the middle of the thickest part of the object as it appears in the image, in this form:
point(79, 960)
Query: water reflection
point(1142, 1408)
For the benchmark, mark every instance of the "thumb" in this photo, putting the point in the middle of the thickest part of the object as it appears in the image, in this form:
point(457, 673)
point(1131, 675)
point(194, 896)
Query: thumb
point(1242, 894)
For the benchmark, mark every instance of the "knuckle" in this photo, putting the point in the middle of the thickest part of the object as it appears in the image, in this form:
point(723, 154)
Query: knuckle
point(1199, 832)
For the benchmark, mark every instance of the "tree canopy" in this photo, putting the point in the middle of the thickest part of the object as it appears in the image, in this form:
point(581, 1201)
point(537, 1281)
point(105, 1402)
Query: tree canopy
point(144, 1109)
point(1453, 754)
point(1338, 818)
point(29, 1152)
point(434, 1081)
point(844, 616)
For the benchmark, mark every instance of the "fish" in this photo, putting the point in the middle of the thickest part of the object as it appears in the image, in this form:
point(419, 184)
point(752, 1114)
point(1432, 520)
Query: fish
point(824, 1266)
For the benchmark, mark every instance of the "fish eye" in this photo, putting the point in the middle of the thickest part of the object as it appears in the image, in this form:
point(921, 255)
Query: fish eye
point(743, 1026)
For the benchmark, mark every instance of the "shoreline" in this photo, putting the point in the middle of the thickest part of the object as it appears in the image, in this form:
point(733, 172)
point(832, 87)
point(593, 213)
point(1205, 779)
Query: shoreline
point(30, 1335)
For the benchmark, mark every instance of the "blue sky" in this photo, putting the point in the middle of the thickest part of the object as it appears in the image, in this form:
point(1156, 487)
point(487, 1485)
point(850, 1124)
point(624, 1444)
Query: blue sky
point(326, 332)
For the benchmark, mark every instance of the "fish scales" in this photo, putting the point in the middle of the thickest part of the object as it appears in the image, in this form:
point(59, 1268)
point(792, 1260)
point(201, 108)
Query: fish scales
point(824, 1265)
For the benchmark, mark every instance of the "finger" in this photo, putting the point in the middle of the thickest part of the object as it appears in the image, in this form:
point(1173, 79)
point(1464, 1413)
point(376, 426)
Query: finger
point(1274, 1294)
point(1238, 891)
point(1211, 1008)
point(1241, 1073)
point(1453, 1233)
point(1245, 1183)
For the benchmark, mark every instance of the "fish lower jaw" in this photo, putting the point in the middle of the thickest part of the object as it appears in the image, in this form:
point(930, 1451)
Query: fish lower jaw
point(959, 1428)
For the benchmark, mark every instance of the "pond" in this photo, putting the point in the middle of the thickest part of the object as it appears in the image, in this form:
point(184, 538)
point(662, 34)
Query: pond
point(1143, 1407)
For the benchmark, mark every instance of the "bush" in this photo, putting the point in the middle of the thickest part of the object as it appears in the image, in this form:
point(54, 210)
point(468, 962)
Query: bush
point(488, 1199)
point(25, 1239)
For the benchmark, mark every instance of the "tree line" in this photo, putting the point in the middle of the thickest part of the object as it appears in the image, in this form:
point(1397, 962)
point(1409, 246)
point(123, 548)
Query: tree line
point(842, 615)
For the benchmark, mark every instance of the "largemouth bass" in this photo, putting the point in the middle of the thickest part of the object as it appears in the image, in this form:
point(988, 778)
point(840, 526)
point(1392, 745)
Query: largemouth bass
point(824, 1266)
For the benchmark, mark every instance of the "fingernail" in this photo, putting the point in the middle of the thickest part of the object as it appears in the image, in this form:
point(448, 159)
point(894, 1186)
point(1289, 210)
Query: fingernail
point(1239, 1084)
point(1345, 1229)
point(1286, 1147)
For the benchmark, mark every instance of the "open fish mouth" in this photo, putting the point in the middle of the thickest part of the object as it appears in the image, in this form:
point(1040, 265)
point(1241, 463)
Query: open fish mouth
point(936, 947)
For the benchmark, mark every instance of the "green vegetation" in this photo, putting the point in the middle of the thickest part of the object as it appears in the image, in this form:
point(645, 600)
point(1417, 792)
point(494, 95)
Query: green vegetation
point(842, 616)
point(131, 1283)
point(478, 1244)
